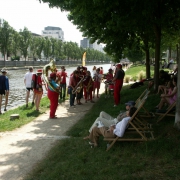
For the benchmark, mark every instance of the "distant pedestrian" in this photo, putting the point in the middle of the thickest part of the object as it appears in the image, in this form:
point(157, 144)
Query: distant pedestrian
point(28, 84)
point(4, 88)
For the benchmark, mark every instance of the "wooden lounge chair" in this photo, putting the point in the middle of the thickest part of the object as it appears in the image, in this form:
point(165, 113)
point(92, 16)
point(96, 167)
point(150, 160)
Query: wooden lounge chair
point(136, 127)
point(169, 112)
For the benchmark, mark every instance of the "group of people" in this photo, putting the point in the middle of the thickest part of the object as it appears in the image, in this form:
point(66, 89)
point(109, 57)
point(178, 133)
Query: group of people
point(81, 84)
point(56, 87)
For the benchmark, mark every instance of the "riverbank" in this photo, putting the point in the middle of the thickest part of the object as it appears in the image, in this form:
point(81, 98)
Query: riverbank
point(39, 64)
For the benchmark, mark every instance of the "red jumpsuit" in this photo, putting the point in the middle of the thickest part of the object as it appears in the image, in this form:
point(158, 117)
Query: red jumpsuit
point(118, 85)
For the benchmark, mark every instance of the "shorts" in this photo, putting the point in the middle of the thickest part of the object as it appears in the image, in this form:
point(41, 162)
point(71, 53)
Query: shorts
point(28, 89)
point(2, 92)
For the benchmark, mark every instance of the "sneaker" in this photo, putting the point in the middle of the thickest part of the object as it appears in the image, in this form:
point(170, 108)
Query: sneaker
point(115, 105)
point(5, 109)
point(32, 103)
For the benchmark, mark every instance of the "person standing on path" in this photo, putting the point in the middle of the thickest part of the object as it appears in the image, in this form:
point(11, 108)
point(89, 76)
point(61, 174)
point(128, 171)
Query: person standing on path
point(28, 84)
point(118, 80)
point(63, 83)
point(53, 95)
point(4, 88)
point(38, 90)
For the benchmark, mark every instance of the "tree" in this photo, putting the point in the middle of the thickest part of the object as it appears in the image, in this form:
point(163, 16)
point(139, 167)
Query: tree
point(25, 41)
point(6, 32)
point(15, 43)
point(47, 47)
point(41, 42)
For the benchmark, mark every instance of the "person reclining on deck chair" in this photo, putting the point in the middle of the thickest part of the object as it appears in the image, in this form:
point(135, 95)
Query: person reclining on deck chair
point(107, 120)
point(169, 98)
point(112, 131)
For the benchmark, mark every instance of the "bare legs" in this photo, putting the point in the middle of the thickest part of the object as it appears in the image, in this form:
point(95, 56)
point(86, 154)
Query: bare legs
point(37, 101)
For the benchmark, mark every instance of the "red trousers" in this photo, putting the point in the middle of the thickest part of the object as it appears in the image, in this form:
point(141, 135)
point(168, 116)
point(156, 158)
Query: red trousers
point(88, 94)
point(117, 90)
point(53, 97)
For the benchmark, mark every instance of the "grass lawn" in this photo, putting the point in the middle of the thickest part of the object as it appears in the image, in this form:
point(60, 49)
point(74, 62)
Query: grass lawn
point(73, 158)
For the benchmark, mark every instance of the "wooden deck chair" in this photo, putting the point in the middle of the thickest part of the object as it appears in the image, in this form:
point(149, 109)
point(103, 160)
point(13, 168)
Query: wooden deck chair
point(138, 130)
point(167, 113)
point(144, 95)
point(145, 92)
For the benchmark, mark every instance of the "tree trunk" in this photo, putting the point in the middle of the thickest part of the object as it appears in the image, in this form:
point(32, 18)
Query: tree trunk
point(169, 53)
point(148, 74)
point(157, 55)
point(177, 117)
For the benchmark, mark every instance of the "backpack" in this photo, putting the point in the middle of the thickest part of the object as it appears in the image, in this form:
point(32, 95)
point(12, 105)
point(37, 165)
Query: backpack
point(34, 81)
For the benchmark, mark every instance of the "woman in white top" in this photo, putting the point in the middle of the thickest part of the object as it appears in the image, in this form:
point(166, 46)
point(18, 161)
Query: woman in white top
point(113, 131)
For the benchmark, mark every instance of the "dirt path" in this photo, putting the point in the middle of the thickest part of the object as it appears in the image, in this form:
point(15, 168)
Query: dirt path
point(22, 148)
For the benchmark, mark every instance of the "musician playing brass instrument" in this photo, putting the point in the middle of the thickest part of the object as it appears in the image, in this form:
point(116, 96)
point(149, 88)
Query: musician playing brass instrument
point(88, 87)
point(73, 81)
point(53, 95)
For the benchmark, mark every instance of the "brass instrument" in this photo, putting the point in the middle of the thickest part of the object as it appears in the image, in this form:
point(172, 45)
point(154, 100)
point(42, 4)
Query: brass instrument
point(51, 66)
point(78, 87)
point(89, 84)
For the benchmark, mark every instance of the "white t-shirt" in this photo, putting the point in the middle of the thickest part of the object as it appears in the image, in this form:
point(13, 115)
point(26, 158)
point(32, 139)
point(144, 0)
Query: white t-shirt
point(121, 127)
point(28, 79)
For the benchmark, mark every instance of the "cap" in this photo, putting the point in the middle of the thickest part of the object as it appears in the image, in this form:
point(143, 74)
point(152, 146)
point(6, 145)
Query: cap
point(39, 71)
point(130, 103)
point(119, 65)
point(53, 75)
point(3, 71)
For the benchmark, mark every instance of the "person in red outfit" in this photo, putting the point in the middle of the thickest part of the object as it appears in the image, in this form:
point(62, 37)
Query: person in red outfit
point(63, 83)
point(38, 90)
point(53, 95)
point(118, 80)
point(88, 87)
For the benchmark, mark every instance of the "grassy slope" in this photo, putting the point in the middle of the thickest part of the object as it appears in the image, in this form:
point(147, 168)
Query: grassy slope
point(74, 159)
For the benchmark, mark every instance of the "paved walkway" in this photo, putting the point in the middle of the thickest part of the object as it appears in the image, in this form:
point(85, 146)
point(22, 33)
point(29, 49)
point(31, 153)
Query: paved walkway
point(22, 148)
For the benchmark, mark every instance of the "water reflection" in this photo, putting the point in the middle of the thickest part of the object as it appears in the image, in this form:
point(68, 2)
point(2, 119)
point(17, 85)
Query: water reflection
point(17, 87)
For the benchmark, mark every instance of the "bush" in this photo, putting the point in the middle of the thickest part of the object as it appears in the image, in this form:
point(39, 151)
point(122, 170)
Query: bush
point(13, 58)
point(141, 75)
point(126, 79)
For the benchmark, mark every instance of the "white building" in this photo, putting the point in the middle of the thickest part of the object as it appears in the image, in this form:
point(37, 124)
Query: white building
point(85, 43)
point(55, 32)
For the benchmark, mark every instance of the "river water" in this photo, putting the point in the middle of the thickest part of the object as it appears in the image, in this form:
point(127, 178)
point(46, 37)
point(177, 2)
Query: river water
point(17, 88)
